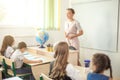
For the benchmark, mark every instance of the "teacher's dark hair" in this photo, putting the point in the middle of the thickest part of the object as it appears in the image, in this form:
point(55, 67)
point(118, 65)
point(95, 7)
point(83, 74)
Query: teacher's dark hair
point(71, 9)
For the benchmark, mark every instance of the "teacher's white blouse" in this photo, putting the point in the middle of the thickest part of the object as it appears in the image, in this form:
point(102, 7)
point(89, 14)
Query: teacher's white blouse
point(72, 28)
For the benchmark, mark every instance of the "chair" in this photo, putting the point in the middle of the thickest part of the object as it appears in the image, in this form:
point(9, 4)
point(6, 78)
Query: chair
point(1, 58)
point(44, 77)
point(11, 72)
point(3, 66)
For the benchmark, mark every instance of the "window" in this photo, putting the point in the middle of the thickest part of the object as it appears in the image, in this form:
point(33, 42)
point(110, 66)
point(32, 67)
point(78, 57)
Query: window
point(42, 14)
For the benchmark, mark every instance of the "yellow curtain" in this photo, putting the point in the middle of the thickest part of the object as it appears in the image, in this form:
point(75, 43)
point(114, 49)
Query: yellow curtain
point(52, 15)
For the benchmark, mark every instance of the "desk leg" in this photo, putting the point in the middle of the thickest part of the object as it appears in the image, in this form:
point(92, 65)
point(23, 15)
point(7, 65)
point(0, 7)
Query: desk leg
point(0, 75)
point(38, 69)
point(73, 58)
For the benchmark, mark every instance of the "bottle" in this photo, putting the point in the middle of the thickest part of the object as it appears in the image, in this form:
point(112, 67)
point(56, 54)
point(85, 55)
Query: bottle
point(87, 65)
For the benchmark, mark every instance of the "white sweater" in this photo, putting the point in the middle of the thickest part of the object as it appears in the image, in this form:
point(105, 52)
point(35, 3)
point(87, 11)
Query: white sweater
point(73, 73)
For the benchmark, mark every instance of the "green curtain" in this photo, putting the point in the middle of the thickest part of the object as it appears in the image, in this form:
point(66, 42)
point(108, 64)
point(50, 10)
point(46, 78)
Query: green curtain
point(49, 14)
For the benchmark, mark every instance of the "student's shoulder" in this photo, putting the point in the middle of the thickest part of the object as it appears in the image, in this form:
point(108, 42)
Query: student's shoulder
point(69, 66)
point(9, 48)
point(90, 74)
point(17, 51)
point(97, 75)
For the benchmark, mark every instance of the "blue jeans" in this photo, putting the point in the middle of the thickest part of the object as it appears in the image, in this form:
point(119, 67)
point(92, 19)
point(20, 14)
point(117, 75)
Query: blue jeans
point(24, 70)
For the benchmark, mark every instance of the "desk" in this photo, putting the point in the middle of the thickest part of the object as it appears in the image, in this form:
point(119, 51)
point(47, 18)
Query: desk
point(38, 68)
point(73, 54)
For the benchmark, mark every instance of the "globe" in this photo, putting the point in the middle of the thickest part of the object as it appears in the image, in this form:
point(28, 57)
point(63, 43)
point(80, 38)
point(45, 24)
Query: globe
point(41, 38)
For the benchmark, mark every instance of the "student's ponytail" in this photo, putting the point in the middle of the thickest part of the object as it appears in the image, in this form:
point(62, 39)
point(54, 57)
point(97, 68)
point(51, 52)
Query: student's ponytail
point(111, 76)
point(109, 66)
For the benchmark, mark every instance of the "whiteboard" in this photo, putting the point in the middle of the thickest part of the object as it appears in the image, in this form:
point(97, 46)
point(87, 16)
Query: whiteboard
point(99, 21)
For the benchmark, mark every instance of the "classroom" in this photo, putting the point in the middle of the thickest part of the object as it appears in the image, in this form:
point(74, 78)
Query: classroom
point(59, 39)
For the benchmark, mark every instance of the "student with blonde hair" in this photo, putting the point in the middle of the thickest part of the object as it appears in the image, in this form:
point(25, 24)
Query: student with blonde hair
point(60, 69)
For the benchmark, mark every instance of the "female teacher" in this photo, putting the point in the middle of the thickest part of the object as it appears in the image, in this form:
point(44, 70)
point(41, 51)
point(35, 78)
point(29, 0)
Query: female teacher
point(72, 30)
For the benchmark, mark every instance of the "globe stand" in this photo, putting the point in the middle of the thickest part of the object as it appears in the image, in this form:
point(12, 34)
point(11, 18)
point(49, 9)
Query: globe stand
point(41, 46)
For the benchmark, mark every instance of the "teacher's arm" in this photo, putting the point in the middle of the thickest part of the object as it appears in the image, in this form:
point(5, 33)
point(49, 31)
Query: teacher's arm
point(76, 35)
point(66, 35)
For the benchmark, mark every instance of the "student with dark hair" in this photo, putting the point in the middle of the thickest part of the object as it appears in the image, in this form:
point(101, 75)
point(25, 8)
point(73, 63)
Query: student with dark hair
point(19, 59)
point(6, 49)
point(100, 63)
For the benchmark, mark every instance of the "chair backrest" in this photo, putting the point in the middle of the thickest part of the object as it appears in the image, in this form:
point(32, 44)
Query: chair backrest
point(44, 77)
point(9, 63)
point(1, 58)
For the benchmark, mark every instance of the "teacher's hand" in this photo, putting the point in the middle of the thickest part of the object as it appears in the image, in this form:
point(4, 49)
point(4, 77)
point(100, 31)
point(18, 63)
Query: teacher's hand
point(71, 36)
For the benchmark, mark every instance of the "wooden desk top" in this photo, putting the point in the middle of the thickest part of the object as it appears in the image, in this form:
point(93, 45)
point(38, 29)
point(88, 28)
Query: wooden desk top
point(46, 58)
point(44, 49)
point(73, 57)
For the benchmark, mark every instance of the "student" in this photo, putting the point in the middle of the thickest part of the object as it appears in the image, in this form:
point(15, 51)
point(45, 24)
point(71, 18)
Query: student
point(60, 69)
point(6, 49)
point(19, 59)
point(100, 63)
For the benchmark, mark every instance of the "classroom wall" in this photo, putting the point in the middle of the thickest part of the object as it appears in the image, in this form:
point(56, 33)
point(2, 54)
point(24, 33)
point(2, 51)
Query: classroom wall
point(28, 35)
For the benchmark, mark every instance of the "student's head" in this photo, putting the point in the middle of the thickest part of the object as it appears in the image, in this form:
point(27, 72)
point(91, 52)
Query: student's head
point(22, 46)
point(70, 13)
point(61, 50)
point(100, 63)
point(61, 58)
point(7, 41)
point(55, 45)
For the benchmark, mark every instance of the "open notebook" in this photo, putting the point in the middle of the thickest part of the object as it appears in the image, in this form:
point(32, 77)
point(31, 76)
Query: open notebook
point(13, 78)
point(32, 57)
